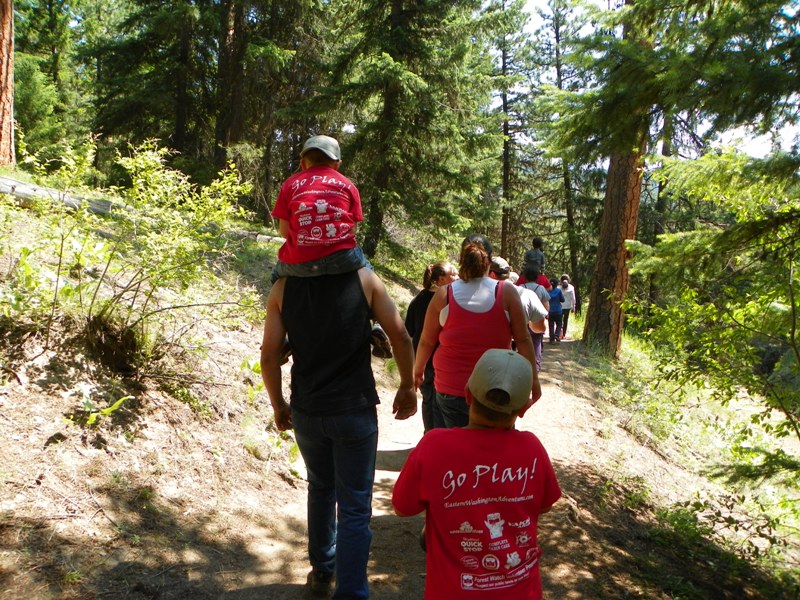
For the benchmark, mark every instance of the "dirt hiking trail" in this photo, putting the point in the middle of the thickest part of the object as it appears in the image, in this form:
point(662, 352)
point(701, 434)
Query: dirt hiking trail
point(583, 555)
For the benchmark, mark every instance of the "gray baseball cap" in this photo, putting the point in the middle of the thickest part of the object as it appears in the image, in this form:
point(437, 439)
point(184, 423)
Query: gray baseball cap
point(502, 370)
point(325, 143)
point(500, 265)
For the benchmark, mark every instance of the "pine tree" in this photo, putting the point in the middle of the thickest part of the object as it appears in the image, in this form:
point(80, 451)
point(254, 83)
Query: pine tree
point(416, 80)
point(158, 76)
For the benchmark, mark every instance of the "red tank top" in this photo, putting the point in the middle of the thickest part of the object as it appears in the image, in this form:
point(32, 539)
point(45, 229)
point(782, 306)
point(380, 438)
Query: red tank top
point(463, 340)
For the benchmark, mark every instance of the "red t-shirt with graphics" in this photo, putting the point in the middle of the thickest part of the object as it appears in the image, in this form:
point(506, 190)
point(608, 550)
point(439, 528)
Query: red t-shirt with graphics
point(483, 491)
point(322, 207)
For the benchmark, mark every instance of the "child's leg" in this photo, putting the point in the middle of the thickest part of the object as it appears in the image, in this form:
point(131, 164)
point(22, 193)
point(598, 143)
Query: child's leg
point(277, 272)
point(305, 269)
point(344, 261)
point(381, 347)
point(353, 259)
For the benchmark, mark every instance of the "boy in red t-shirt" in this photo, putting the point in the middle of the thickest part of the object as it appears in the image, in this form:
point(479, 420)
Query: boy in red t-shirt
point(318, 209)
point(483, 488)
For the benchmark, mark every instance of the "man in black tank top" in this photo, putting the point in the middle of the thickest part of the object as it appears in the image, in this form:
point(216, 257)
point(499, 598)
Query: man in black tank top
point(332, 409)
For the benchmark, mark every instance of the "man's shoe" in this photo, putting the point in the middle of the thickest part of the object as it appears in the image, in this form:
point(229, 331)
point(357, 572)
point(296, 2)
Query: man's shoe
point(380, 342)
point(320, 583)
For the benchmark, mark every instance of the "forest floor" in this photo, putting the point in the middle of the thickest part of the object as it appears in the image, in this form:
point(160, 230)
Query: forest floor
point(167, 499)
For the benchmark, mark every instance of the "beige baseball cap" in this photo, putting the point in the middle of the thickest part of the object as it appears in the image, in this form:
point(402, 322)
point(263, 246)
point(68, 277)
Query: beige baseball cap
point(505, 370)
point(325, 143)
point(500, 266)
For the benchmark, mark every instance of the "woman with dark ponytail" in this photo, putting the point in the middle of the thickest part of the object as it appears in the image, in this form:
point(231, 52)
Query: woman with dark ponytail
point(438, 274)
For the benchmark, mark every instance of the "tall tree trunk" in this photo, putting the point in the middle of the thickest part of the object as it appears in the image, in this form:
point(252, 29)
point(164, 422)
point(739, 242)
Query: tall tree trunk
point(383, 177)
point(230, 81)
point(604, 318)
point(182, 96)
point(661, 204)
point(572, 237)
point(7, 82)
point(506, 207)
point(569, 205)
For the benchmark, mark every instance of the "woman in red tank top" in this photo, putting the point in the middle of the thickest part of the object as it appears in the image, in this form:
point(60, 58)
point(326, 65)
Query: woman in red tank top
point(465, 319)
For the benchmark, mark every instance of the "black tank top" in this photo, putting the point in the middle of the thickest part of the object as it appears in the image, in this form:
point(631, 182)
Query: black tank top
point(328, 322)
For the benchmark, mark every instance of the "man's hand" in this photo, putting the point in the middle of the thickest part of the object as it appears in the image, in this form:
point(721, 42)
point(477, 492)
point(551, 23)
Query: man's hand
point(405, 403)
point(282, 414)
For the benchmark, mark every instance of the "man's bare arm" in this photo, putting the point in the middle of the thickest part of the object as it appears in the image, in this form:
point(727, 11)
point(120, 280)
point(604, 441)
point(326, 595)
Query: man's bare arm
point(385, 312)
point(271, 345)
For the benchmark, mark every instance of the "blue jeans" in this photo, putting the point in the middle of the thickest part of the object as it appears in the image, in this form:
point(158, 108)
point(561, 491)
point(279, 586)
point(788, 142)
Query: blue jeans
point(538, 342)
point(555, 326)
point(339, 452)
point(451, 411)
point(342, 261)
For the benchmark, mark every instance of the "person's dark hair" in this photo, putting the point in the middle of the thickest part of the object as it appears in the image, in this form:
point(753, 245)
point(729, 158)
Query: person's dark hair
point(315, 156)
point(474, 261)
point(499, 397)
point(433, 272)
point(553, 282)
point(477, 238)
point(531, 273)
point(538, 242)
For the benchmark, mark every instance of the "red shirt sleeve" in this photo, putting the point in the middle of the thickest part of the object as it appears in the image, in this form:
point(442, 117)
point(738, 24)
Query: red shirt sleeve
point(406, 496)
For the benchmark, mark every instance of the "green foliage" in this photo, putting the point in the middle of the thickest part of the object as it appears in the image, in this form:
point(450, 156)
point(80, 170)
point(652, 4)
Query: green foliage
point(73, 577)
point(161, 236)
point(736, 183)
point(648, 409)
point(752, 537)
point(35, 102)
point(754, 517)
point(90, 415)
point(157, 74)
point(732, 312)
point(253, 389)
point(423, 146)
point(25, 287)
point(164, 229)
point(185, 395)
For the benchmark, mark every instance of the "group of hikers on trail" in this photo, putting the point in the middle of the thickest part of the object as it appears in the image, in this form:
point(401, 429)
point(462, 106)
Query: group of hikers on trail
point(468, 343)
